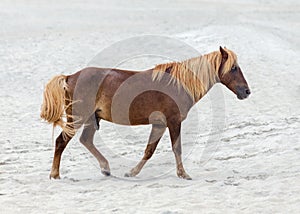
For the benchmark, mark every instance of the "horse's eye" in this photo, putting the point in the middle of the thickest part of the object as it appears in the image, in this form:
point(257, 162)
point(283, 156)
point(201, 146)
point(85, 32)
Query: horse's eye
point(234, 68)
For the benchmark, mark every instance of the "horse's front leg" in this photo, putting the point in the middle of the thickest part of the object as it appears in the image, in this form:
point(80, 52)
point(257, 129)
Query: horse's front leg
point(156, 133)
point(174, 129)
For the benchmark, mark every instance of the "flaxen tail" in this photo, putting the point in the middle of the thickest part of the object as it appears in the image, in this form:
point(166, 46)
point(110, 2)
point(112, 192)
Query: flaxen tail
point(53, 107)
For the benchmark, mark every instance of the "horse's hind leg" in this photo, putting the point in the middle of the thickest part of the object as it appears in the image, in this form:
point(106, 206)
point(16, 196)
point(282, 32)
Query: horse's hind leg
point(156, 133)
point(61, 142)
point(86, 139)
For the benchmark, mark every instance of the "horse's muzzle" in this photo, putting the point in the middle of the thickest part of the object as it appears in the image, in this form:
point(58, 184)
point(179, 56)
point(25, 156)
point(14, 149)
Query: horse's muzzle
point(242, 92)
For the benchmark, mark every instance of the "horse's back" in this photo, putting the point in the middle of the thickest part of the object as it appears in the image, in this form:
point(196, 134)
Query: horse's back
point(126, 97)
point(94, 88)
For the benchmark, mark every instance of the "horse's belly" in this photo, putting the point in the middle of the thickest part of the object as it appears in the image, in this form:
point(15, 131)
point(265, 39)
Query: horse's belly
point(150, 107)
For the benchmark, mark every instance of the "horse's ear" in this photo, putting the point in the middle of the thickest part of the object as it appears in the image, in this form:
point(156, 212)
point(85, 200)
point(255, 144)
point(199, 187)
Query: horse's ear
point(223, 53)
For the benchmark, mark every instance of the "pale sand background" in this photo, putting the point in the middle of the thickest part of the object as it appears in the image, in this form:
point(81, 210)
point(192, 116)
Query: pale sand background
point(256, 166)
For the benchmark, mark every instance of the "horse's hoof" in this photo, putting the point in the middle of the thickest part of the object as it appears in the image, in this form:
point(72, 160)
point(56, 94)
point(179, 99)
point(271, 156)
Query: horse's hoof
point(105, 172)
point(54, 176)
point(188, 178)
point(184, 176)
point(128, 174)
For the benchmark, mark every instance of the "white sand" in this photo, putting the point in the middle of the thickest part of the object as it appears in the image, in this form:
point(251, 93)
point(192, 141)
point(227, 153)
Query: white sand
point(253, 167)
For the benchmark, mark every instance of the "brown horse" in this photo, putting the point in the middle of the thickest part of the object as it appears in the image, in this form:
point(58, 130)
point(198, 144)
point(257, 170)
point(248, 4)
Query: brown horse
point(161, 96)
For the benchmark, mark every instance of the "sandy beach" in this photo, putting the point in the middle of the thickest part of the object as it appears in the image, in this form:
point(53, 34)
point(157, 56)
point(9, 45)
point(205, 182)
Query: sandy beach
point(251, 164)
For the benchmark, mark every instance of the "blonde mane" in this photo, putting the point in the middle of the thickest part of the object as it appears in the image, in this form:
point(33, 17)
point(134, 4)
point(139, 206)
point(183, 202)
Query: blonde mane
point(196, 75)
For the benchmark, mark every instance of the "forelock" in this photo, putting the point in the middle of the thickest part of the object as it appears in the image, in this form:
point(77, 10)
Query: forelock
point(232, 59)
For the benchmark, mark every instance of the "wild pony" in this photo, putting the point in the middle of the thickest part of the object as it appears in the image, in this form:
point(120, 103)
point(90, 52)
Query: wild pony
point(161, 96)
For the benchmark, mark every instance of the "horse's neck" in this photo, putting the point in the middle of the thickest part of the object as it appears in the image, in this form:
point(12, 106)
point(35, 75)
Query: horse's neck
point(204, 69)
point(204, 93)
point(211, 81)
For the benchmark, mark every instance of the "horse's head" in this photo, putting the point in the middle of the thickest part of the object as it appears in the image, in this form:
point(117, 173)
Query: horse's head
point(230, 74)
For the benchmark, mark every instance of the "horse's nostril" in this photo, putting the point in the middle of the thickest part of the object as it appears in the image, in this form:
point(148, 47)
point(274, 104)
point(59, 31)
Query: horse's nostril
point(248, 91)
